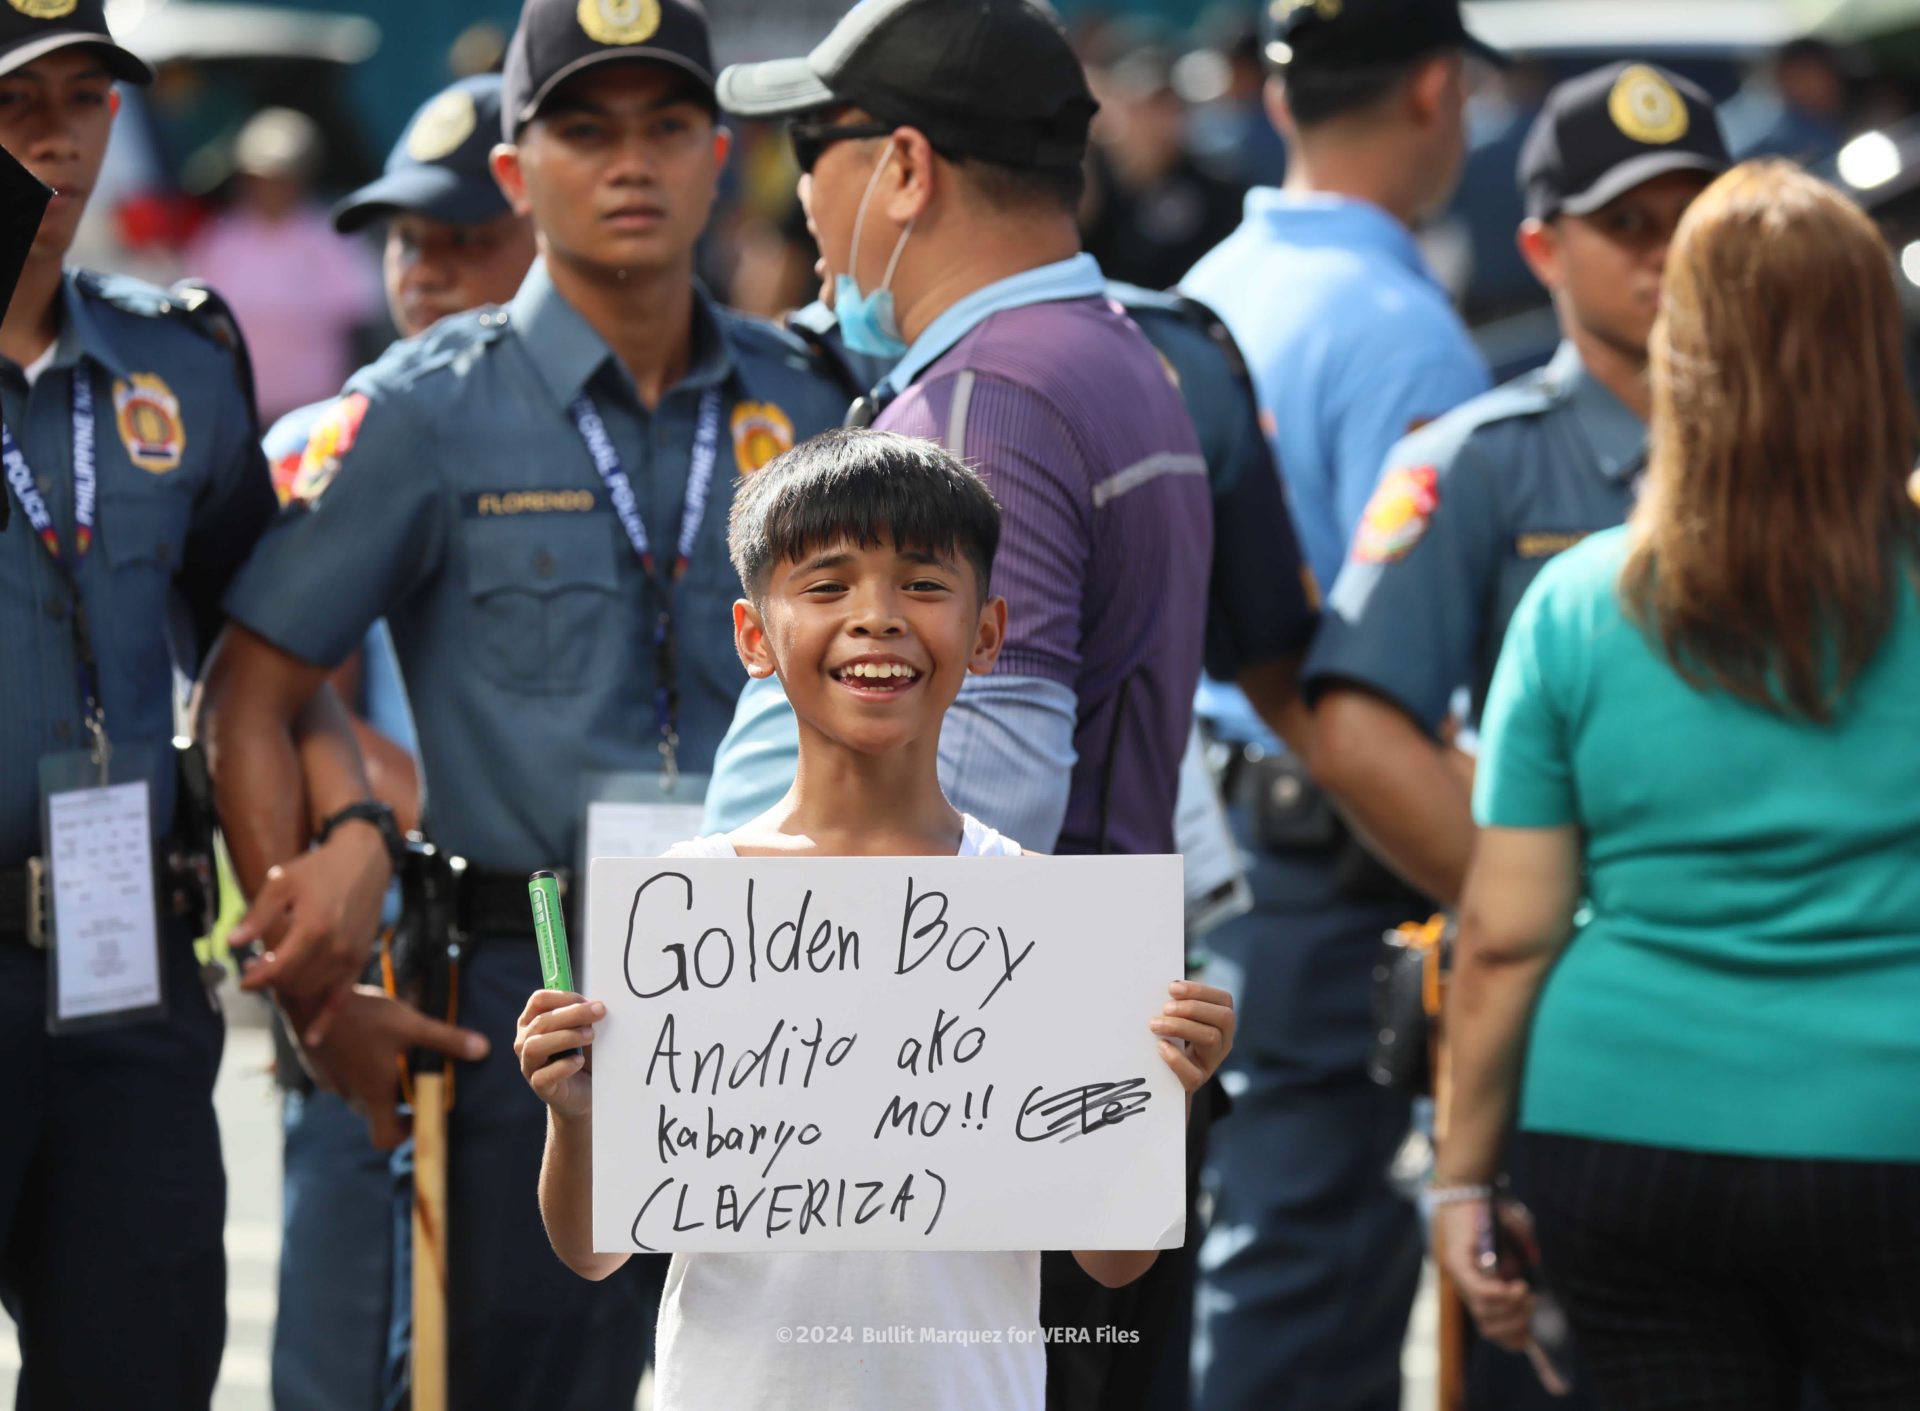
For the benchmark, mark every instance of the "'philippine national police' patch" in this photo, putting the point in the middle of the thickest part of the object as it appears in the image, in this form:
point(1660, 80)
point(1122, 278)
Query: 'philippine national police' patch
point(1397, 514)
point(148, 416)
point(761, 431)
point(328, 446)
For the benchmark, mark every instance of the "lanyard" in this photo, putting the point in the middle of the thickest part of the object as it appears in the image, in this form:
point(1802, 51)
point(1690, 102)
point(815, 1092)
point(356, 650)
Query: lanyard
point(606, 460)
point(86, 492)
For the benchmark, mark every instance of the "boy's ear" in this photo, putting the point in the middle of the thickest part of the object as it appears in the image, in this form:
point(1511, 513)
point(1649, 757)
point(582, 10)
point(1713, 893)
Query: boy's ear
point(990, 638)
point(750, 639)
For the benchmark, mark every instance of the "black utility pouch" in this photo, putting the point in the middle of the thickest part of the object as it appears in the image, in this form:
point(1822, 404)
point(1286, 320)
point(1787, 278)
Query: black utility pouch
point(1289, 812)
point(1407, 977)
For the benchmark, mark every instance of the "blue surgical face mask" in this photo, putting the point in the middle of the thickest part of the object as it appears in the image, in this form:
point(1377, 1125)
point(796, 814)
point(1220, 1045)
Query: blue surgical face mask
point(867, 322)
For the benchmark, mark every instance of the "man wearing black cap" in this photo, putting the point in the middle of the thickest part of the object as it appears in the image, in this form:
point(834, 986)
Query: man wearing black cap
point(136, 482)
point(1310, 1264)
point(1474, 506)
point(535, 499)
point(452, 244)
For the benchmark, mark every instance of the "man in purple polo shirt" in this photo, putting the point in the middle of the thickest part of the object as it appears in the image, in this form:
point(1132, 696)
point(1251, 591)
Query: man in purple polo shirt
point(942, 143)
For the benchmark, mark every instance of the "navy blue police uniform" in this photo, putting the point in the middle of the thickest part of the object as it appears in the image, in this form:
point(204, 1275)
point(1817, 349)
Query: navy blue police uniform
point(346, 1205)
point(136, 442)
point(1471, 509)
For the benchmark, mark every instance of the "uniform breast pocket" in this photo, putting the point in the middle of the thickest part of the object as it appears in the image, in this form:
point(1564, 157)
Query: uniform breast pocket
point(544, 594)
point(141, 539)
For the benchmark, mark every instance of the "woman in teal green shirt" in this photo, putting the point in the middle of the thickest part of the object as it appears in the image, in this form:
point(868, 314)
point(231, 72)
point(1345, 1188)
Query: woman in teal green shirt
point(1690, 939)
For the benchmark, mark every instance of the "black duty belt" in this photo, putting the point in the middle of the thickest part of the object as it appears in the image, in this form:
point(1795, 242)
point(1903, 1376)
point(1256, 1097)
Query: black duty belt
point(184, 885)
point(494, 901)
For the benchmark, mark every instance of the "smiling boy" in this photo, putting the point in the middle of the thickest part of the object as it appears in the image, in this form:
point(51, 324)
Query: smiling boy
point(865, 557)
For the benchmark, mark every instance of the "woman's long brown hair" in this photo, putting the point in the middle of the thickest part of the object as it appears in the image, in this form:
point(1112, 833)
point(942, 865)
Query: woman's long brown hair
point(1767, 551)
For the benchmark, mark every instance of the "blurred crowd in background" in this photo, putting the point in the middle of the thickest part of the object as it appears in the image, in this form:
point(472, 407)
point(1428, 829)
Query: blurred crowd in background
point(266, 112)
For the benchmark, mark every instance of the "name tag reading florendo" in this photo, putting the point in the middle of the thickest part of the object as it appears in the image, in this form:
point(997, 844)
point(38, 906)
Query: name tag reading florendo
point(885, 1053)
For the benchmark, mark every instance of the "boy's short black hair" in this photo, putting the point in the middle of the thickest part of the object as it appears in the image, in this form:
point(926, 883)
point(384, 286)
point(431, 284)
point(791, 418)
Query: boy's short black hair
point(869, 487)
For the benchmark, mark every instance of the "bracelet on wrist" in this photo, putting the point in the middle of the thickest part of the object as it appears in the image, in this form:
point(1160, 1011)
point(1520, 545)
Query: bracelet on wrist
point(1432, 1198)
point(380, 816)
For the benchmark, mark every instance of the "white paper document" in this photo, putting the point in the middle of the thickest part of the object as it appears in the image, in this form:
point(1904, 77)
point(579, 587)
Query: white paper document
point(640, 829)
point(106, 937)
point(885, 1053)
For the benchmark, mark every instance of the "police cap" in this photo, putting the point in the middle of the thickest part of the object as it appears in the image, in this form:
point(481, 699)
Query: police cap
point(439, 168)
point(557, 39)
point(1604, 133)
point(31, 29)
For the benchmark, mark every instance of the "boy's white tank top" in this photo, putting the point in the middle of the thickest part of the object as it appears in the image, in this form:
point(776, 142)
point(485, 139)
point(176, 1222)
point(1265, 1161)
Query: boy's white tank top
point(769, 1331)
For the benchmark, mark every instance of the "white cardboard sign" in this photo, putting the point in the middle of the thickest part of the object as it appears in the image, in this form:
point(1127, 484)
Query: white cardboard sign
point(885, 1053)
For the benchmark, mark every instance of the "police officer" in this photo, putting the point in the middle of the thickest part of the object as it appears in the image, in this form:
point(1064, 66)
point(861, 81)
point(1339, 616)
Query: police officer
point(137, 486)
point(1472, 507)
point(1309, 1267)
point(451, 244)
point(535, 497)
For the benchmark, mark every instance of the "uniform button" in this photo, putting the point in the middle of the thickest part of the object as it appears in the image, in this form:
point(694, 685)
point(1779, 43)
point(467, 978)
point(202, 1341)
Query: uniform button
point(57, 609)
point(63, 730)
point(543, 564)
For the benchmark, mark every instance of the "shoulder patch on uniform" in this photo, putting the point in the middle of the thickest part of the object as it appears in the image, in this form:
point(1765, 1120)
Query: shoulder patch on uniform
point(148, 417)
point(327, 448)
point(761, 431)
point(1397, 515)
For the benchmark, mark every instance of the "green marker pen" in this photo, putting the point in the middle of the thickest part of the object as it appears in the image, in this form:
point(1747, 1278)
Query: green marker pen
point(550, 931)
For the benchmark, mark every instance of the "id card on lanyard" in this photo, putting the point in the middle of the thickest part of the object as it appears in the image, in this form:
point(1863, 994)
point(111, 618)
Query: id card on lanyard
point(96, 813)
point(641, 815)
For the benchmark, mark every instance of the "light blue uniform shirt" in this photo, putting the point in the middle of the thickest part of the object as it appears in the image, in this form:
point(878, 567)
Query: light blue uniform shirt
point(1352, 344)
point(1006, 752)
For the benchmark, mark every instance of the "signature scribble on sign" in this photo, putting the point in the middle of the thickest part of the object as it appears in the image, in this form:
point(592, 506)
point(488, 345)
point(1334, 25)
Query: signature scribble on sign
point(1081, 1110)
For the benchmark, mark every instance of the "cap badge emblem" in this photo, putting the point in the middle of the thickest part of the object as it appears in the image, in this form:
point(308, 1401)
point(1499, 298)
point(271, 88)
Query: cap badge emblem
point(620, 21)
point(1647, 108)
point(448, 121)
point(45, 9)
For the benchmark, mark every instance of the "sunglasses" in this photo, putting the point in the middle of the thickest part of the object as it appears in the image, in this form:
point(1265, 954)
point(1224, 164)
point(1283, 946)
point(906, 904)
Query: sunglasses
point(811, 139)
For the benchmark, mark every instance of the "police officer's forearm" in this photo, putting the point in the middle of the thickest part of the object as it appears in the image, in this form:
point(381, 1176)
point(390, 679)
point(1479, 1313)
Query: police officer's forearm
point(256, 713)
point(1396, 787)
point(1272, 688)
point(392, 774)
